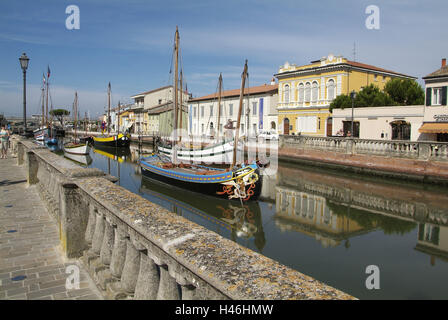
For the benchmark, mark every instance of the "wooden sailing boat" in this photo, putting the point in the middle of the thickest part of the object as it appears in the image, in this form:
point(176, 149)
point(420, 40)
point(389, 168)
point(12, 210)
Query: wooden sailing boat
point(119, 140)
point(220, 152)
point(50, 139)
point(75, 147)
point(41, 134)
point(241, 183)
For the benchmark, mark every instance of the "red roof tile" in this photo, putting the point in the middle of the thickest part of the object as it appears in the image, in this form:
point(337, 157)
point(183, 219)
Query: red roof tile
point(236, 92)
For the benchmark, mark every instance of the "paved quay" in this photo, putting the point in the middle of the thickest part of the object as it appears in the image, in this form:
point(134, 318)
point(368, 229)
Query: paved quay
point(32, 265)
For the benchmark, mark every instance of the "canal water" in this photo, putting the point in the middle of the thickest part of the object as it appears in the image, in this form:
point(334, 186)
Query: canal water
point(329, 225)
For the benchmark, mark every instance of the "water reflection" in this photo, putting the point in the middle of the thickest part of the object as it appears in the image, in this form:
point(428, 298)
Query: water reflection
point(239, 221)
point(327, 225)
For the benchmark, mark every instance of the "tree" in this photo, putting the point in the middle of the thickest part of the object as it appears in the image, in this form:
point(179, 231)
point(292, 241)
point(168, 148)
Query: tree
point(405, 92)
point(372, 96)
point(59, 114)
point(340, 102)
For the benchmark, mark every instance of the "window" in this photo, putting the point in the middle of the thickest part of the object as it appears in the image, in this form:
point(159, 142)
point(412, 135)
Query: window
point(211, 111)
point(307, 124)
point(254, 107)
point(436, 96)
point(202, 111)
point(286, 94)
point(194, 112)
point(375, 77)
point(220, 109)
point(307, 92)
point(242, 128)
point(301, 91)
point(202, 128)
point(330, 90)
point(231, 109)
point(315, 92)
point(160, 101)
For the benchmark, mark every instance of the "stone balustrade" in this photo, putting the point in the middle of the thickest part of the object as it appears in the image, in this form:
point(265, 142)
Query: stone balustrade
point(423, 150)
point(135, 249)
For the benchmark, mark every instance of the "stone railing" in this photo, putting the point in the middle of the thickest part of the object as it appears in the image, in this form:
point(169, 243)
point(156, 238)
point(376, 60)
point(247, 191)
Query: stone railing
point(134, 249)
point(423, 150)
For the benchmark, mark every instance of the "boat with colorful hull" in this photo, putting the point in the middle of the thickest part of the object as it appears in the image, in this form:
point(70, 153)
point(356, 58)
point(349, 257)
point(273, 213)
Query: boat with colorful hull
point(116, 141)
point(242, 183)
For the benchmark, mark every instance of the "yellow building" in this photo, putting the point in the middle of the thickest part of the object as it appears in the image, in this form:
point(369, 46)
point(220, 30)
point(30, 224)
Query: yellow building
point(305, 92)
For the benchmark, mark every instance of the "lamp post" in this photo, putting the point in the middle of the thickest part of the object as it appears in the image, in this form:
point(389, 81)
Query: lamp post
point(24, 64)
point(353, 96)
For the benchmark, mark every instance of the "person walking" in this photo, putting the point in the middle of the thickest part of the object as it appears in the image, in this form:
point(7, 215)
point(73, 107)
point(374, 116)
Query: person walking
point(4, 138)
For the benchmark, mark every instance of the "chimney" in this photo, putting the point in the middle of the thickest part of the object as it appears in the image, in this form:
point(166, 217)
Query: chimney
point(272, 81)
point(443, 62)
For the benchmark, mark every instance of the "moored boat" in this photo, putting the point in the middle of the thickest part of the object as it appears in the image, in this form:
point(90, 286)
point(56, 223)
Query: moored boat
point(74, 146)
point(118, 141)
point(239, 183)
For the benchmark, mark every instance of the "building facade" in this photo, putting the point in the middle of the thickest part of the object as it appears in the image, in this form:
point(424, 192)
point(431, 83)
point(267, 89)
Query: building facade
point(380, 123)
point(305, 92)
point(155, 110)
point(435, 126)
point(258, 113)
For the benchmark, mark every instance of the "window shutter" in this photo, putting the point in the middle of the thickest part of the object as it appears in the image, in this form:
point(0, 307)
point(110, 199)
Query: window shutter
point(444, 96)
point(428, 96)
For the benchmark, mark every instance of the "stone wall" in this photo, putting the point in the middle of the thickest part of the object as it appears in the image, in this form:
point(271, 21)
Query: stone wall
point(408, 160)
point(135, 249)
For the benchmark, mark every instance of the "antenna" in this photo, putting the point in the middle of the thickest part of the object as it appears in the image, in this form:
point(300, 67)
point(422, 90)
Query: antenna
point(354, 51)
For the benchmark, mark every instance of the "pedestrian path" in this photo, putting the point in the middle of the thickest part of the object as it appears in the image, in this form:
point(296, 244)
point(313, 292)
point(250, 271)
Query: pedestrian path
point(32, 265)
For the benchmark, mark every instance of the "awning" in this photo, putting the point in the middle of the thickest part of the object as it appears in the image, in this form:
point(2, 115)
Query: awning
point(434, 127)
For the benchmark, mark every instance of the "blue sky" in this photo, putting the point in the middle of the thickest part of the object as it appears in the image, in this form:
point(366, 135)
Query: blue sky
point(129, 43)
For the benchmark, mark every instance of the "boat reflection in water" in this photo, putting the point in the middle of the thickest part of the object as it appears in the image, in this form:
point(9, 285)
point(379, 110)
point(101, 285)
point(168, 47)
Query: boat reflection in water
point(242, 222)
point(117, 154)
point(81, 159)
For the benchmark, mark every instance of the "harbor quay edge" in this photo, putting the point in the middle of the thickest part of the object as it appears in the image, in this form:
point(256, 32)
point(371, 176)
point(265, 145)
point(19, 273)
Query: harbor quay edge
point(417, 161)
point(135, 249)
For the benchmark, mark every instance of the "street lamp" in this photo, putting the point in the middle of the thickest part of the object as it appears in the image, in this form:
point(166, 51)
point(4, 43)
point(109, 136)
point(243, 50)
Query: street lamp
point(24, 64)
point(353, 96)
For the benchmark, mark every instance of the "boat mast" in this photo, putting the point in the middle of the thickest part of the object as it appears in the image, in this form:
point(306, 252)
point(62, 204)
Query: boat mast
point(43, 107)
point(75, 107)
point(219, 105)
point(118, 119)
point(85, 122)
point(237, 130)
point(46, 108)
point(176, 71)
point(108, 110)
point(181, 102)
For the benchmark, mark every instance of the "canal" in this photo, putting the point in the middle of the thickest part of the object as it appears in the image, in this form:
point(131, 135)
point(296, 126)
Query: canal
point(328, 225)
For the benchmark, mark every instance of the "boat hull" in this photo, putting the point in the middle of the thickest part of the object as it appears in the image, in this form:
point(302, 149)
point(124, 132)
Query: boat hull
point(221, 153)
point(244, 184)
point(81, 149)
point(116, 141)
point(41, 134)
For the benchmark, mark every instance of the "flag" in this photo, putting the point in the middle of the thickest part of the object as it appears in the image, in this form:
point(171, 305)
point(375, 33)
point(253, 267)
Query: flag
point(44, 78)
point(48, 72)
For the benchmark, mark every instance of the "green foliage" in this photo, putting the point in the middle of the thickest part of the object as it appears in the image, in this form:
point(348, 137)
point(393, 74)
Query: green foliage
point(397, 92)
point(59, 114)
point(405, 91)
point(372, 96)
point(340, 102)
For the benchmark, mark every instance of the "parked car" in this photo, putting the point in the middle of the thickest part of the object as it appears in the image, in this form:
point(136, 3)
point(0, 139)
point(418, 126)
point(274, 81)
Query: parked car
point(268, 135)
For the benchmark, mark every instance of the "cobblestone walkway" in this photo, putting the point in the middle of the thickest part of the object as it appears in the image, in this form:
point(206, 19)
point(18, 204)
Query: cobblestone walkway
point(32, 265)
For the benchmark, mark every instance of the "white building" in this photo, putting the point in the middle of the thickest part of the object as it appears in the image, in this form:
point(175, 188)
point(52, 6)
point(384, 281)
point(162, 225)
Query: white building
point(380, 123)
point(435, 126)
point(259, 111)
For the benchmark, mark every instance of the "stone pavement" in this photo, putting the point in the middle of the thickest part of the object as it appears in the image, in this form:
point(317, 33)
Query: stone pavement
point(32, 265)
